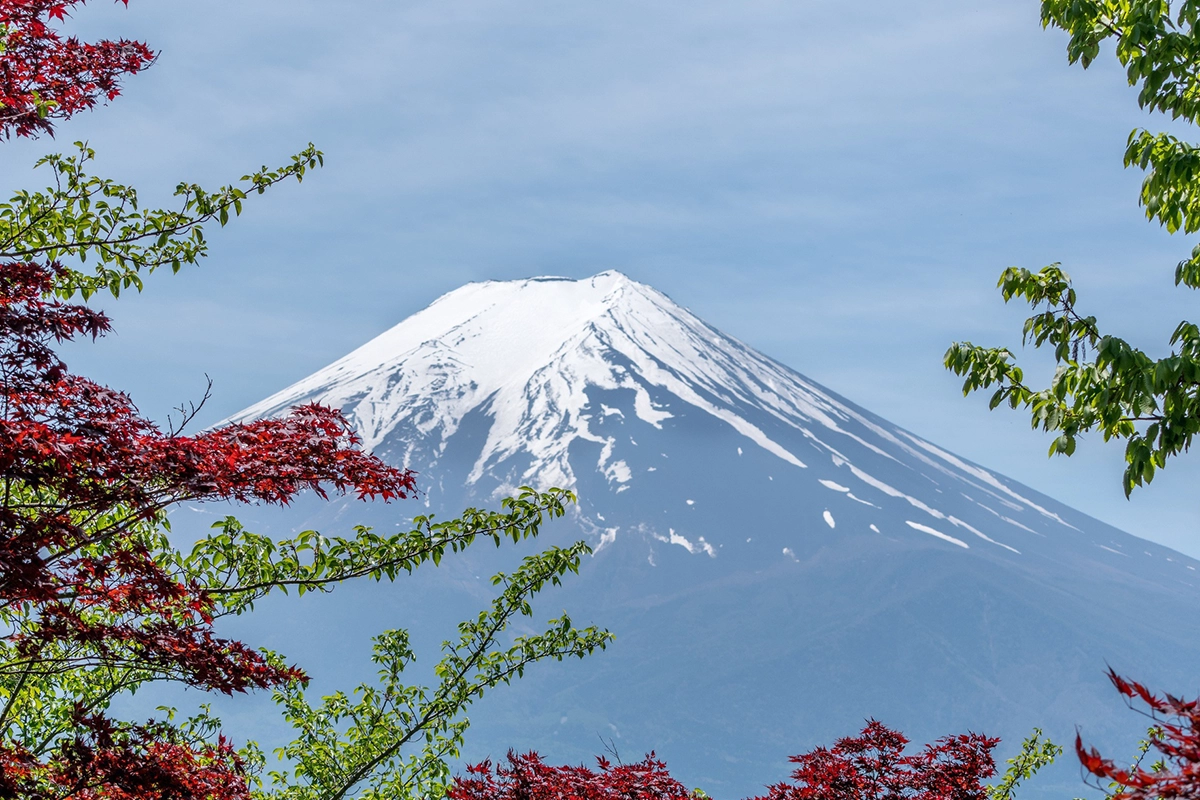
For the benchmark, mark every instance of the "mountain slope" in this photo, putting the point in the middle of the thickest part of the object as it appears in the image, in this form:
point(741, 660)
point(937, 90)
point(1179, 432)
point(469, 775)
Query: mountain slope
point(777, 563)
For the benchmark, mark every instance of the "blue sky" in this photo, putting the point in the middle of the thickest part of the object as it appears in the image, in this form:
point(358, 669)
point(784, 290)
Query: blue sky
point(838, 185)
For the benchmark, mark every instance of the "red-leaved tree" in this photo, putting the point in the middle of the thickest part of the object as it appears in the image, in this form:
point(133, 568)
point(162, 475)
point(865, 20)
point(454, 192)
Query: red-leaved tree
point(871, 766)
point(1176, 737)
point(85, 481)
point(527, 777)
point(107, 761)
point(44, 77)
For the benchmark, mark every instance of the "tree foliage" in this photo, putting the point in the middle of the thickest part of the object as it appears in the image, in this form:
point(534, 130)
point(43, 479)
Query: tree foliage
point(44, 77)
point(84, 480)
point(1104, 383)
point(80, 473)
point(1036, 752)
point(1174, 735)
point(527, 777)
point(82, 216)
point(870, 766)
point(873, 766)
point(360, 743)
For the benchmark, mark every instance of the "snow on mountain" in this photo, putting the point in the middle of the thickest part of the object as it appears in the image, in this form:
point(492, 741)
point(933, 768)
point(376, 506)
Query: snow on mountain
point(777, 562)
point(530, 351)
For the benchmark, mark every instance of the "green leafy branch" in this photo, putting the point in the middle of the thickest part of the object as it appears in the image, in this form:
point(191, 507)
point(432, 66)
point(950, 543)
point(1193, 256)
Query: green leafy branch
point(1152, 404)
point(82, 216)
point(1116, 789)
point(348, 742)
point(1160, 49)
point(1036, 752)
point(237, 567)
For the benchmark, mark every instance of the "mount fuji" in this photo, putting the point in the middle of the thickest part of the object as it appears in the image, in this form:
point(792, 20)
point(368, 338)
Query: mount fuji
point(778, 564)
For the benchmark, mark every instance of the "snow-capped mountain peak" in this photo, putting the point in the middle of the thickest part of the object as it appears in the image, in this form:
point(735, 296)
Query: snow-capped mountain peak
point(529, 349)
point(548, 368)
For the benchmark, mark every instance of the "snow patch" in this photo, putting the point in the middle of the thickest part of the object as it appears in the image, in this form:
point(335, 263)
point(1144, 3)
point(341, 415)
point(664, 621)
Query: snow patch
point(1012, 521)
point(700, 546)
point(959, 523)
point(645, 410)
point(926, 529)
point(829, 519)
point(608, 537)
point(837, 487)
point(618, 472)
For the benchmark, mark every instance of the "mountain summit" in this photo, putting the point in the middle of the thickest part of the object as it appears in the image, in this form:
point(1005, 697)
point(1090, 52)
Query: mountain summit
point(777, 563)
point(530, 351)
point(555, 365)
